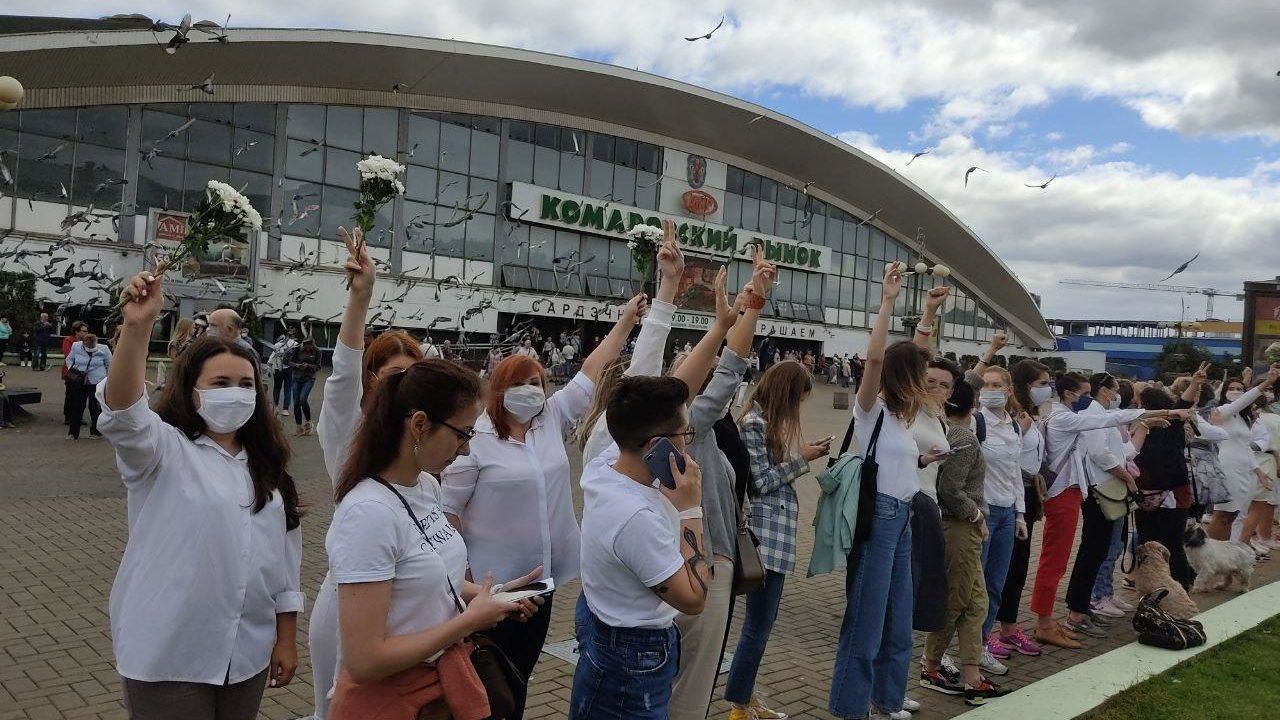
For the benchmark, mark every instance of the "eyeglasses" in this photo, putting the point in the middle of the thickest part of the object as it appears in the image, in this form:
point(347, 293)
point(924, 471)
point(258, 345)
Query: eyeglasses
point(463, 435)
point(688, 435)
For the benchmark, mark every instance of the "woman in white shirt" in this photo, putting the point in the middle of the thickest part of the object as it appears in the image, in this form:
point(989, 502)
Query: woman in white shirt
point(874, 650)
point(1265, 500)
point(357, 370)
point(511, 497)
point(399, 564)
point(204, 606)
point(93, 359)
point(1236, 415)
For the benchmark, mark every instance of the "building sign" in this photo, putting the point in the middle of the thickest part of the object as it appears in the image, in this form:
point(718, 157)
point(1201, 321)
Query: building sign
point(699, 202)
point(696, 171)
point(589, 310)
point(223, 262)
point(589, 215)
point(1261, 322)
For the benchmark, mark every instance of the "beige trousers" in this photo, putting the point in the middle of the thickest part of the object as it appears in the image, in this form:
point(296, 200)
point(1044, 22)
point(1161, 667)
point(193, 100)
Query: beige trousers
point(701, 637)
point(966, 594)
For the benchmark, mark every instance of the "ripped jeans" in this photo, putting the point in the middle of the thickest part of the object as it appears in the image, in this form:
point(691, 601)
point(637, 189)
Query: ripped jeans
point(622, 673)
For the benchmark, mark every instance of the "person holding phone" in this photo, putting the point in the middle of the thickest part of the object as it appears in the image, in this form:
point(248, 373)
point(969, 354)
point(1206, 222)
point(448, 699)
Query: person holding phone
point(405, 607)
point(874, 650)
point(772, 431)
point(643, 559)
point(511, 497)
point(204, 606)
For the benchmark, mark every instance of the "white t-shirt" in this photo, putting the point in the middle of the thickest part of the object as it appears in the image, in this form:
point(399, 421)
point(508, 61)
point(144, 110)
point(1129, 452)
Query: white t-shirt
point(929, 433)
point(896, 451)
point(373, 539)
point(630, 543)
point(568, 352)
point(430, 351)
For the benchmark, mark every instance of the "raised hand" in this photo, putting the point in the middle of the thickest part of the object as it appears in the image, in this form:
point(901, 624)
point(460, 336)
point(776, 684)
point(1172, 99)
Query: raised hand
point(1201, 376)
point(634, 310)
point(999, 340)
point(935, 299)
point(892, 282)
point(143, 297)
point(726, 313)
point(359, 266)
point(670, 259)
point(763, 273)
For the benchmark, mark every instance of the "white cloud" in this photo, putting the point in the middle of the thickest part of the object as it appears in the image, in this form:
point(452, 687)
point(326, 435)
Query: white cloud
point(1053, 136)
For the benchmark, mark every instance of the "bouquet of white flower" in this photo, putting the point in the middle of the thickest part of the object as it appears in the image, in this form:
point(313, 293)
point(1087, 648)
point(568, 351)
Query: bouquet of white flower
point(1272, 353)
point(379, 184)
point(644, 243)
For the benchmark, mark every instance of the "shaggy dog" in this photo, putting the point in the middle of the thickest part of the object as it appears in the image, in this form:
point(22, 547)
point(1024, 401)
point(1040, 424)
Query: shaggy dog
point(1218, 564)
point(1151, 573)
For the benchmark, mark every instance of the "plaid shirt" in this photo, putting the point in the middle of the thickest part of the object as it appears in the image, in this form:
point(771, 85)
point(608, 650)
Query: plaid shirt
point(775, 509)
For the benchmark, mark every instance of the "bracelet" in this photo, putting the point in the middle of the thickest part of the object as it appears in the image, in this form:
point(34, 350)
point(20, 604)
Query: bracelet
point(920, 330)
point(691, 514)
point(755, 302)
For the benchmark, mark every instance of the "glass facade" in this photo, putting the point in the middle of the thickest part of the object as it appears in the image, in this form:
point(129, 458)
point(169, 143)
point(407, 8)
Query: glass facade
point(458, 172)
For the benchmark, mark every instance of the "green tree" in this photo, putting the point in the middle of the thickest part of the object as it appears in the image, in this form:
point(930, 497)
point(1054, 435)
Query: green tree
point(18, 301)
point(1181, 356)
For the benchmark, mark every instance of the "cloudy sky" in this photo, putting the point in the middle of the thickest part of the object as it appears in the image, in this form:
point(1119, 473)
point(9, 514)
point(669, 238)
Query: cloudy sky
point(1160, 118)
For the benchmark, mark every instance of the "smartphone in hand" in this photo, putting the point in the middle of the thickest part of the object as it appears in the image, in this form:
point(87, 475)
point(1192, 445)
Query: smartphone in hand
point(658, 462)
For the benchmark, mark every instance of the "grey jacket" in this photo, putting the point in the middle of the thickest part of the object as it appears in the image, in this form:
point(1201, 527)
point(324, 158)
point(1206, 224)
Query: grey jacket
point(961, 476)
point(719, 520)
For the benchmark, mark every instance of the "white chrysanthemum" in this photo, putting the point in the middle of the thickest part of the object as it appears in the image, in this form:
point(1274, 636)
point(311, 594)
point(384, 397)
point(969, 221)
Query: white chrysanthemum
point(376, 166)
point(631, 244)
point(647, 232)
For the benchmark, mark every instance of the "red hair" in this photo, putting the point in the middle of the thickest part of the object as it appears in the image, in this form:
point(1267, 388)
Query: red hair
point(510, 371)
point(384, 347)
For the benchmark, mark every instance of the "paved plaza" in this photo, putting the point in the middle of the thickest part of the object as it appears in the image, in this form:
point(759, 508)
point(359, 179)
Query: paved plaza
point(62, 532)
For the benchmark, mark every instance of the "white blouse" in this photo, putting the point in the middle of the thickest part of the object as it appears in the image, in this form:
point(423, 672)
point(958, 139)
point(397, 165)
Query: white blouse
point(897, 454)
point(929, 433)
point(514, 499)
point(340, 411)
point(203, 576)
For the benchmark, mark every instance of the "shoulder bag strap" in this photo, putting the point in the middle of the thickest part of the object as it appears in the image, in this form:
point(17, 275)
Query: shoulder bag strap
point(848, 440)
point(414, 517)
point(875, 436)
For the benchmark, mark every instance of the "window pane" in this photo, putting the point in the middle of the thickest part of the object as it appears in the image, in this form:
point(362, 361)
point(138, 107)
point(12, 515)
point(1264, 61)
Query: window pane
point(733, 181)
point(596, 255)
point(480, 238)
point(256, 187)
point(572, 172)
point(768, 190)
point(340, 168)
point(336, 209)
point(831, 293)
point(450, 241)
point(256, 116)
point(455, 147)
point(624, 185)
point(155, 126)
point(815, 288)
point(104, 125)
point(253, 150)
point(750, 213)
point(160, 184)
point(420, 183)
point(418, 228)
point(344, 127)
point(380, 131)
point(484, 154)
point(57, 123)
point(511, 247)
point(751, 185)
point(519, 161)
point(306, 122)
point(733, 210)
point(546, 166)
point(520, 130)
point(602, 148)
point(94, 166)
point(217, 112)
point(649, 158)
point(304, 161)
point(297, 217)
point(647, 190)
point(46, 177)
point(547, 136)
point(196, 182)
point(624, 152)
point(601, 179)
point(453, 190)
point(209, 142)
point(768, 221)
point(542, 247)
point(424, 140)
point(483, 195)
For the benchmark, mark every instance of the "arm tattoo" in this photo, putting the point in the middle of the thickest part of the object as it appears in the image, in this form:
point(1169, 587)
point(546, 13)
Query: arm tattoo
point(695, 559)
point(660, 590)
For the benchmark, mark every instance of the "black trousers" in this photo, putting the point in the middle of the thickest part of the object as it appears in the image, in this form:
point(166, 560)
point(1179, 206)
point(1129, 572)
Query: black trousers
point(77, 397)
point(1016, 579)
point(1095, 541)
point(1165, 526)
point(522, 643)
point(928, 565)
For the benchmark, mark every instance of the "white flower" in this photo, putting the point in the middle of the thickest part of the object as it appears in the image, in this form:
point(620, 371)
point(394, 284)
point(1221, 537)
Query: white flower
point(376, 166)
point(631, 244)
point(234, 202)
point(399, 186)
point(646, 232)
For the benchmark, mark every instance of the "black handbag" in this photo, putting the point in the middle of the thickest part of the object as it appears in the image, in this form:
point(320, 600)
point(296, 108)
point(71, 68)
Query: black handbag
point(867, 486)
point(76, 377)
point(1158, 628)
point(496, 671)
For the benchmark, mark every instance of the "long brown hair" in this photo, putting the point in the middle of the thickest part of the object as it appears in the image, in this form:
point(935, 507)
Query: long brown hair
point(778, 394)
point(439, 388)
point(264, 443)
point(516, 367)
point(1024, 373)
point(609, 377)
point(384, 347)
point(902, 380)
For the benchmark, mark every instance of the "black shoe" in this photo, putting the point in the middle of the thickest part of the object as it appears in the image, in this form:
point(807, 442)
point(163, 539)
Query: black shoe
point(1101, 621)
point(942, 680)
point(981, 694)
point(1086, 628)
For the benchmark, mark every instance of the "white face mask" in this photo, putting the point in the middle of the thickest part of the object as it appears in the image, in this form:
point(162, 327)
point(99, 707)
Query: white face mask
point(1234, 395)
point(524, 402)
point(1114, 403)
point(992, 398)
point(226, 410)
point(1041, 395)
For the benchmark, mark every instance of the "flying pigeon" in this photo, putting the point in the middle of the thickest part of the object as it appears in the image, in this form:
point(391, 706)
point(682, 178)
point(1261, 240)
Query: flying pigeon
point(1182, 267)
point(970, 172)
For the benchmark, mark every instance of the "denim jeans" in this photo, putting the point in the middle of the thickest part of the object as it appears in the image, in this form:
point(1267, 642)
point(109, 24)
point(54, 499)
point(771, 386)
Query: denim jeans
point(996, 552)
point(874, 652)
point(282, 385)
point(301, 400)
point(1102, 587)
point(757, 624)
point(622, 673)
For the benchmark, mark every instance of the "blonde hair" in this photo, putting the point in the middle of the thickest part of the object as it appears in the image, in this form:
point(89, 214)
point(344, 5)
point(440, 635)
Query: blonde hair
point(902, 381)
point(1012, 407)
point(609, 378)
point(779, 394)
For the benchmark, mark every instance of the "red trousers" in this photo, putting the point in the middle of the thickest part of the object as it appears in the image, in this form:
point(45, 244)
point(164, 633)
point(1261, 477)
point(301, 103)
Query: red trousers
point(1061, 515)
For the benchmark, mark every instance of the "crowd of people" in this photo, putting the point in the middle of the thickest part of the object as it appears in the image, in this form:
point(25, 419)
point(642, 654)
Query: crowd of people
point(454, 528)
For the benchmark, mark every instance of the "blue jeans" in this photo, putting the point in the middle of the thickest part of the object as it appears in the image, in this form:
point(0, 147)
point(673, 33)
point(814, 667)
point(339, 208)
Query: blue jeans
point(1102, 587)
point(757, 624)
point(874, 652)
point(282, 385)
point(622, 673)
point(301, 403)
point(997, 550)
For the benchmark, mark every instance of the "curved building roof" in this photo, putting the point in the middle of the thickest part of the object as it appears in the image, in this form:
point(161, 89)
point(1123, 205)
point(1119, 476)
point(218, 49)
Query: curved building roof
point(75, 62)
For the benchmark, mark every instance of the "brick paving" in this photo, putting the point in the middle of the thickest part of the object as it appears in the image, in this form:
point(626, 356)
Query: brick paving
point(62, 531)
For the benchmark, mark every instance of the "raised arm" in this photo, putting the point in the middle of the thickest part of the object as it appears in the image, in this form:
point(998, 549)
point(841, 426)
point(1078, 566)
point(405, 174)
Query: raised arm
point(1201, 376)
point(360, 270)
point(998, 341)
point(1250, 397)
point(693, 372)
point(874, 363)
point(744, 330)
point(611, 346)
point(143, 296)
point(928, 322)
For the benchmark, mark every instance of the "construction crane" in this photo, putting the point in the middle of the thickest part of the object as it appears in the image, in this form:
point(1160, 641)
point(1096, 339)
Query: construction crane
point(1209, 293)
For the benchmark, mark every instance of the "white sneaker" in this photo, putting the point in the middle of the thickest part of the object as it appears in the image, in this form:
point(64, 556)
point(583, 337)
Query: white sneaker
point(992, 665)
point(949, 664)
point(910, 705)
point(1121, 605)
point(1260, 547)
point(1105, 608)
point(900, 715)
point(1272, 543)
